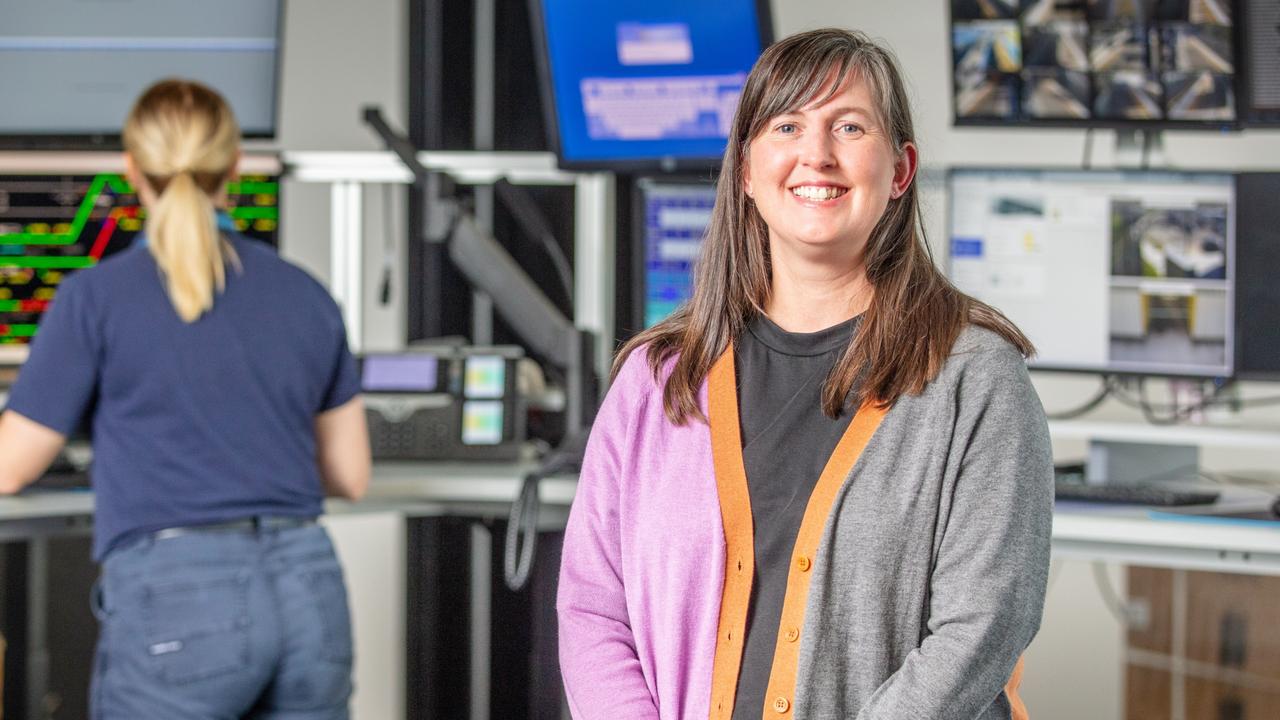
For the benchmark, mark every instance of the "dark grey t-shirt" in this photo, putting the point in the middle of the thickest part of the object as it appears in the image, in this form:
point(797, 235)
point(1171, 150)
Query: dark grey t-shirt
point(786, 441)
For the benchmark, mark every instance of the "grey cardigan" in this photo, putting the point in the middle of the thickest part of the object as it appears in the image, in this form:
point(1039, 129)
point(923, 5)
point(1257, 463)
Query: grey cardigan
point(931, 577)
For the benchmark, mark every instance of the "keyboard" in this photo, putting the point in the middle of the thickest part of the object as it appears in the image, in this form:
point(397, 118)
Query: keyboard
point(63, 480)
point(1146, 494)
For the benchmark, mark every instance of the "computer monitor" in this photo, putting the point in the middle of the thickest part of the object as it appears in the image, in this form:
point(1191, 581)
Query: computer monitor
point(670, 219)
point(60, 213)
point(73, 68)
point(1105, 271)
point(645, 83)
point(1101, 63)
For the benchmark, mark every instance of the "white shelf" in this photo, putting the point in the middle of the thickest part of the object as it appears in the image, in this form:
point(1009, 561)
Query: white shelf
point(468, 167)
point(1200, 435)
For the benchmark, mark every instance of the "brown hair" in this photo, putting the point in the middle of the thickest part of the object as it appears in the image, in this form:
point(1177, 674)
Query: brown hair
point(185, 141)
point(915, 315)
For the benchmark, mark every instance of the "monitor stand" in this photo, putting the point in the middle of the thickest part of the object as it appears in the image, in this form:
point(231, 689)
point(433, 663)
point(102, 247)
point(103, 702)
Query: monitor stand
point(1131, 463)
point(1140, 149)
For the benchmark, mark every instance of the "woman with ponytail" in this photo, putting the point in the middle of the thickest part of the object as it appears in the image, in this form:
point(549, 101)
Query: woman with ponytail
point(822, 488)
point(222, 404)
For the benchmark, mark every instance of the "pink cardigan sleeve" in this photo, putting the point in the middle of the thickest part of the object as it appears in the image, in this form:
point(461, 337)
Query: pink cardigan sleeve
point(602, 673)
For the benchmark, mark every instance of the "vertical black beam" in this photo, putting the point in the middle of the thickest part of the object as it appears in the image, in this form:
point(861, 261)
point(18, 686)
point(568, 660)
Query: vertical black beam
point(546, 688)
point(13, 621)
point(438, 599)
point(426, 130)
point(1257, 257)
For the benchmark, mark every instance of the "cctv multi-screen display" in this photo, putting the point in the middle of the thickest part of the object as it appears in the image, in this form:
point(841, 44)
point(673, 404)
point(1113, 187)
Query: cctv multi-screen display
point(1110, 63)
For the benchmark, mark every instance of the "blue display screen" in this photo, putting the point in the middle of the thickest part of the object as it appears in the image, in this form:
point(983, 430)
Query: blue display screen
point(635, 81)
point(675, 219)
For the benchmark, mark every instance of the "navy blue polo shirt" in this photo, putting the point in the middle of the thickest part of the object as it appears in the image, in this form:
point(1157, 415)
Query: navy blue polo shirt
point(191, 423)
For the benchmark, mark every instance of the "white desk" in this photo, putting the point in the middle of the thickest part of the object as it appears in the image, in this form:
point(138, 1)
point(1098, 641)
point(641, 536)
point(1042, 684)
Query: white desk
point(1122, 535)
point(1130, 536)
point(1116, 534)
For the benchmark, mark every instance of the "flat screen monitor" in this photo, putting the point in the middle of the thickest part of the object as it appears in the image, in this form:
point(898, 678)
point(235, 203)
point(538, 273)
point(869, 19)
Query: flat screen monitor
point(72, 69)
point(671, 217)
point(1099, 63)
point(60, 213)
point(1117, 272)
point(1260, 43)
point(645, 83)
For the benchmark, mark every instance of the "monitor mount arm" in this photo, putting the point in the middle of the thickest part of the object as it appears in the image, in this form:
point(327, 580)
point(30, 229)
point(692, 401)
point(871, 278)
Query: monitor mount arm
point(491, 269)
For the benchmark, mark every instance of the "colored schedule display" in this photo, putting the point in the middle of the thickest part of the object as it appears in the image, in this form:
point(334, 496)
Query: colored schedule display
point(52, 225)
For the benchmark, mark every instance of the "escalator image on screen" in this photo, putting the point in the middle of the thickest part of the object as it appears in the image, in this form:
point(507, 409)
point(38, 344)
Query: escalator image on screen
point(1105, 271)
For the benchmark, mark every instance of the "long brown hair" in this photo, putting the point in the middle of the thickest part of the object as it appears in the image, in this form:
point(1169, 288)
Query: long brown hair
point(915, 315)
point(185, 141)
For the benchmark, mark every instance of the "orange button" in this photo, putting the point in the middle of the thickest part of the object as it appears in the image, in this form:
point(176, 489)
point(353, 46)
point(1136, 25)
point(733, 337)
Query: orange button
point(804, 563)
point(781, 704)
point(791, 635)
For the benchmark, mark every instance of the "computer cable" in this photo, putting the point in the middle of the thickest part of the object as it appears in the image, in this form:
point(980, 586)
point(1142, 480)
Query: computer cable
point(1124, 612)
point(1104, 391)
point(1114, 386)
point(1174, 412)
point(388, 248)
point(522, 521)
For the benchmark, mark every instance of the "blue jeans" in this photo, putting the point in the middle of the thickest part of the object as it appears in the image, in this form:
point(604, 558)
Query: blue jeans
point(223, 624)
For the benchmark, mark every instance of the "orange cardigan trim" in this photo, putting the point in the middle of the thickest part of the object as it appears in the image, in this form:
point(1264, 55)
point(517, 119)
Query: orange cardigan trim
point(739, 535)
point(779, 699)
point(1017, 707)
point(735, 513)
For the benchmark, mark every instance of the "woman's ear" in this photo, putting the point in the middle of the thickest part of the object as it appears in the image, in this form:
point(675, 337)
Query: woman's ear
point(131, 171)
point(904, 170)
point(134, 175)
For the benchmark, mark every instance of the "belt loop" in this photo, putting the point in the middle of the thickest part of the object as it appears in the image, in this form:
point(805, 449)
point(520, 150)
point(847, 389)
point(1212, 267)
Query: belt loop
point(96, 602)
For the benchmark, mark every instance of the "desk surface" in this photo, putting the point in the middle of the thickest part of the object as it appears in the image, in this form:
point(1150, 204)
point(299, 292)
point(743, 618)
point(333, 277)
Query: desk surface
point(1130, 535)
point(1112, 533)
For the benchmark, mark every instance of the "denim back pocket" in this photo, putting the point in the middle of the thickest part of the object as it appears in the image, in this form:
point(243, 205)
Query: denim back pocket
point(330, 596)
point(197, 628)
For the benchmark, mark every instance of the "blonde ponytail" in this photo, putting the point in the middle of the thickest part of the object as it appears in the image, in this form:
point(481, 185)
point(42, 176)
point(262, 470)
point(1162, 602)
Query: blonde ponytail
point(182, 234)
point(185, 141)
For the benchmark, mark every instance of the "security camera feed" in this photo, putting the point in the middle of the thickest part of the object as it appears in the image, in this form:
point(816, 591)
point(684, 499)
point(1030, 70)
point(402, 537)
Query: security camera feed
point(54, 225)
point(1121, 61)
point(675, 218)
point(1104, 271)
point(73, 68)
point(988, 58)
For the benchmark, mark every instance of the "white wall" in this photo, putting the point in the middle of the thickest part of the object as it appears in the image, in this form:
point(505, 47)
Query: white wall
point(371, 550)
point(338, 57)
point(1080, 639)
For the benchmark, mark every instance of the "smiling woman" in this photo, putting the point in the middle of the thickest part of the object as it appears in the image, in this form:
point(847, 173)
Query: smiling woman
point(823, 486)
point(821, 177)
